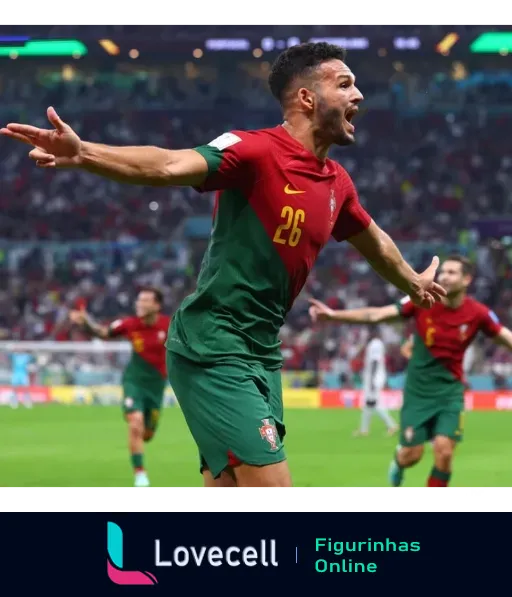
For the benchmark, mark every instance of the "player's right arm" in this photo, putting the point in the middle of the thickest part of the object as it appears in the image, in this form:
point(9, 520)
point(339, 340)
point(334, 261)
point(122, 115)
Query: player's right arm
point(356, 226)
point(368, 315)
point(225, 162)
point(93, 328)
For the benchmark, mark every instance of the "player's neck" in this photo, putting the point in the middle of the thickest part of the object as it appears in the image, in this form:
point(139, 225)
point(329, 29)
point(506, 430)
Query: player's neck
point(454, 302)
point(304, 133)
point(150, 319)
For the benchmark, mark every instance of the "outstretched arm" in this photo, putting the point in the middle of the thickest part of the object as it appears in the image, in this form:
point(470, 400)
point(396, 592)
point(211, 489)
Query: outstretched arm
point(385, 258)
point(151, 166)
point(369, 315)
point(61, 147)
point(84, 320)
point(504, 337)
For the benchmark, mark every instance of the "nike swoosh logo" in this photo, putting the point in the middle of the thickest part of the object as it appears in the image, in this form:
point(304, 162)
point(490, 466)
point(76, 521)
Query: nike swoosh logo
point(289, 191)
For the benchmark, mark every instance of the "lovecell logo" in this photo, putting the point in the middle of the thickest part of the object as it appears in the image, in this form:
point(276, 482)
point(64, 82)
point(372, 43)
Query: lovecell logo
point(115, 561)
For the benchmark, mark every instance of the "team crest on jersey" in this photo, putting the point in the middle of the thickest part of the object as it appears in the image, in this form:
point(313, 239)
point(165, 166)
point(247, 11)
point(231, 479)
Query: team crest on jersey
point(161, 335)
point(332, 204)
point(269, 432)
point(463, 330)
point(409, 434)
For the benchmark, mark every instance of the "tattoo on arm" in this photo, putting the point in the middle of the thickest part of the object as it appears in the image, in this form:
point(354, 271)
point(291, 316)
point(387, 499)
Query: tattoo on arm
point(95, 329)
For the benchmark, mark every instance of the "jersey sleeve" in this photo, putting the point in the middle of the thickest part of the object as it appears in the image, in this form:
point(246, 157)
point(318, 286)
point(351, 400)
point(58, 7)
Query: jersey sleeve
point(119, 327)
point(232, 159)
point(352, 218)
point(490, 323)
point(406, 308)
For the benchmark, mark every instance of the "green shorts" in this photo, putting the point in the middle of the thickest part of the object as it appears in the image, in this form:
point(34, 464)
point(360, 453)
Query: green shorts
point(234, 412)
point(138, 398)
point(421, 419)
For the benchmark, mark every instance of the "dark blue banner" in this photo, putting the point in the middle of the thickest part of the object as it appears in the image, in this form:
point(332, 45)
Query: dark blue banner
point(231, 554)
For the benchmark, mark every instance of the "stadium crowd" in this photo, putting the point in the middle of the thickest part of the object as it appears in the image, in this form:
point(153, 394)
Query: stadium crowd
point(426, 172)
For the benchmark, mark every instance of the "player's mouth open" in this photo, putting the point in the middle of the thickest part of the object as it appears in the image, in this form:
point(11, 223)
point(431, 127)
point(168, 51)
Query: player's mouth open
point(349, 115)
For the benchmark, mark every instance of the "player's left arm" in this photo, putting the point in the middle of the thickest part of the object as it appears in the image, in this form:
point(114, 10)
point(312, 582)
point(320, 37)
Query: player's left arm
point(356, 225)
point(504, 337)
point(493, 328)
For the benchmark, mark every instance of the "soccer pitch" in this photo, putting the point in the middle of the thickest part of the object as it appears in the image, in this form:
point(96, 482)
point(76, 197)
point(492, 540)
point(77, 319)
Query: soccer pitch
point(56, 445)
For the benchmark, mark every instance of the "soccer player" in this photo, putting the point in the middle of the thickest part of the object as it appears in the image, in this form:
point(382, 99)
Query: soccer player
point(374, 379)
point(20, 378)
point(467, 361)
point(280, 199)
point(144, 378)
point(434, 389)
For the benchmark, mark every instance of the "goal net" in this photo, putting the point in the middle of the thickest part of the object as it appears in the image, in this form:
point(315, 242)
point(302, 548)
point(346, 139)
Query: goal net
point(66, 372)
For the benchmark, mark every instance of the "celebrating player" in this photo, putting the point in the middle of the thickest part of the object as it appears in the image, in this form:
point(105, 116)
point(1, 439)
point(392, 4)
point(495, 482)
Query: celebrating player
point(280, 200)
point(144, 378)
point(467, 361)
point(434, 389)
point(374, 379)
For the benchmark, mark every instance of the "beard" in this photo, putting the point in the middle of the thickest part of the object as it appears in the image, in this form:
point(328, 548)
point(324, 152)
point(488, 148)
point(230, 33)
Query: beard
point(330, 123)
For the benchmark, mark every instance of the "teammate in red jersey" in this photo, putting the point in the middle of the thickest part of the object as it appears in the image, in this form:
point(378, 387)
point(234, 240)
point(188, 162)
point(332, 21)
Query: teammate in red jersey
point(434, 389)
point(144, 378)
point(280, 200)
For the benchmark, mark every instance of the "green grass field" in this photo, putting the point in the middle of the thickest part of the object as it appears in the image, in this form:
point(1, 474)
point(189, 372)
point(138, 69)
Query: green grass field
point(86, 446)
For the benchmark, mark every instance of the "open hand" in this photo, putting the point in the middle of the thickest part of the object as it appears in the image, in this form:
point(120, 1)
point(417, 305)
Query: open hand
point(77, 317)
point(319, 311)
point(53, 148)
point(425, 292)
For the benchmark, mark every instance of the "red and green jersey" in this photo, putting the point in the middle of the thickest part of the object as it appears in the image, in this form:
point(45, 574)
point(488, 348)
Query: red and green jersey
point(277, 206)
point(147, 363)
point(442, 336)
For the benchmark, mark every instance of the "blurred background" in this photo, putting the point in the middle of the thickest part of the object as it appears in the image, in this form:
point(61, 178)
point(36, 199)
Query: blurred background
point(432, 164)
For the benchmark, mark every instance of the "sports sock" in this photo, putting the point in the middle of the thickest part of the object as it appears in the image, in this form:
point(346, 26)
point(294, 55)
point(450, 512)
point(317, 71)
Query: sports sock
point(438, 478)
point(138, 462)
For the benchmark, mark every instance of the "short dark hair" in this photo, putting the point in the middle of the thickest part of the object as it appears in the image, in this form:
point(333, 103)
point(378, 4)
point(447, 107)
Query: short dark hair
point(158, 294)
point(468, 269)
point(299, 61)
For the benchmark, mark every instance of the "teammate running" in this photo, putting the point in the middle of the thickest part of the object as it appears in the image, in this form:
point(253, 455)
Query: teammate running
point(374, 379)
point(434, 389)
point(144, 378)
point(280, 200)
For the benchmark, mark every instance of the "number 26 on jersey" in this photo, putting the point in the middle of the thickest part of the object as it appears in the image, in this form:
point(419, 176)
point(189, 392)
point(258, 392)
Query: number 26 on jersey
point(290, 232)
